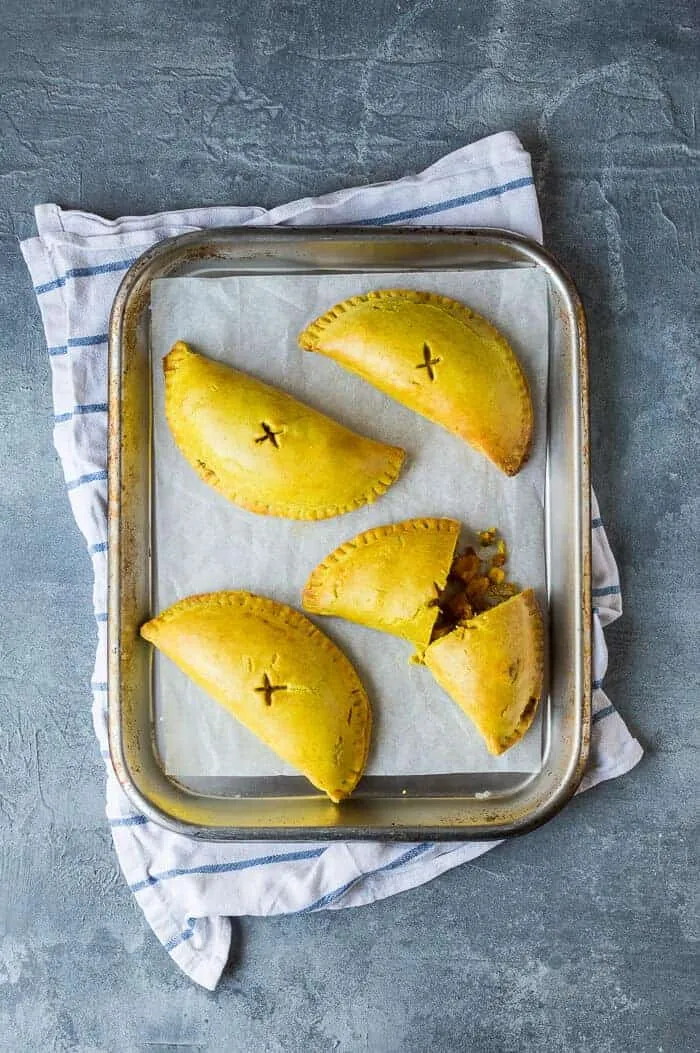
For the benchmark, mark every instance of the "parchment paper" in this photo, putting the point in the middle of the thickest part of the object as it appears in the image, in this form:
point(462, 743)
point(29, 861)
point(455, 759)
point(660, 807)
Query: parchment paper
point(204, 543)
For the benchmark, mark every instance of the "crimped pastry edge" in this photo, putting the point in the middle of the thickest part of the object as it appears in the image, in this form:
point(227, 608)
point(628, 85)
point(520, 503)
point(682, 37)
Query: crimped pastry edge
point(394, 460)
point(263, 605)
point(368, 537)
point(307, 340)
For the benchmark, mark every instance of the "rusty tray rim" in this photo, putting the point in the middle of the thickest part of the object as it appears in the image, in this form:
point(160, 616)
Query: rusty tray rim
point(164, 259)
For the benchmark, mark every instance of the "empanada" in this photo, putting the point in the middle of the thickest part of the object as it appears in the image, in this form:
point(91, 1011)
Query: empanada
point(493, 668)
point(266, 451)
point(388, 578)
point(279, 675)
point(437, 357)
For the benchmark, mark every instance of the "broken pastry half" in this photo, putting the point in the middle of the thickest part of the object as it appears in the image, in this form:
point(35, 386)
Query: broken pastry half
point(264, 450)
point(278, 675)
point(492, 665)
point(482, 640)
point(388, 578)
point(439, 358)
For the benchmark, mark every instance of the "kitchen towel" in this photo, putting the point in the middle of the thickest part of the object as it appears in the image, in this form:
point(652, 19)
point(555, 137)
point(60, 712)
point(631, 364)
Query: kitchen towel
point(187, 889)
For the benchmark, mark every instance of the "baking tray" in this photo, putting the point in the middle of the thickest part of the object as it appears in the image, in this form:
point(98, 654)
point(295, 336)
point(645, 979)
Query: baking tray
point(441, 807)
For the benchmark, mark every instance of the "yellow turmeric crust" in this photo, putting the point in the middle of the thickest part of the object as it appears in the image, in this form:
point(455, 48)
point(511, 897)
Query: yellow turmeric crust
point(266, 451)
point(493, 668)
point(387, 578)
point(439, 358)
point(278, 675)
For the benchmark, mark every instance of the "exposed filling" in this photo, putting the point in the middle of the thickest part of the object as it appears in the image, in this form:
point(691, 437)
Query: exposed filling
point(476, 582)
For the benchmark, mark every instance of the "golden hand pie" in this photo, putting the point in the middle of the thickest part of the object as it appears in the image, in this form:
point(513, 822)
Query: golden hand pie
point(279, 675)
point(437, 357)
point(266, 451)
point(493, 667)
point(388, 578)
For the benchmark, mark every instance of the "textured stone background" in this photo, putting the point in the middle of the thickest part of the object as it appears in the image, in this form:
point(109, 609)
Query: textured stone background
point(579, 937)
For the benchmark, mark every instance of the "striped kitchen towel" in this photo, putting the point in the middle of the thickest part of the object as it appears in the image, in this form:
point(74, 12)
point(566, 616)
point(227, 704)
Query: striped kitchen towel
point(188, 889)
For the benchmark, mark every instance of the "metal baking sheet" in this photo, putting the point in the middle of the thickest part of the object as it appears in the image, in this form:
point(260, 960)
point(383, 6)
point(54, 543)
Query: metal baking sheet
point(202, 542)
point(471, 803)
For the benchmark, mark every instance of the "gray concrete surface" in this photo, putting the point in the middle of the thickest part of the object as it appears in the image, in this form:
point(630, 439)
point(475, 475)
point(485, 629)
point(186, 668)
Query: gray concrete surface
point(579, 937)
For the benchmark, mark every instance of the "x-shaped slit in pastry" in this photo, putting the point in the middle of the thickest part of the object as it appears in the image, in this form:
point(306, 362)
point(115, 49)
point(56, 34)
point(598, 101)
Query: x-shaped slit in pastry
point(428, 362)
point(268, 433)
point(268, 688)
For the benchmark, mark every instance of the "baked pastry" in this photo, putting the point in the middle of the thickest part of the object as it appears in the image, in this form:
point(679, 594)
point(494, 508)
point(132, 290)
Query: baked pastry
point(492, 666)
point(266, 451)
point(279, 675)
point(388, 578)
point(483, 642)
point(437, 357)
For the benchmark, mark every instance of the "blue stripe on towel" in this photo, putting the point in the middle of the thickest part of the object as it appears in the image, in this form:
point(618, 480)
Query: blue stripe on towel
point(407, 857)
point(78, 341)
point(88, 341)
point(129, 820)
point(602, 714)
point(80, 410)
point(445, 206)
point(84, 272)
point(186, 934)
point(225, 868)
point(90, 407)
point(606, 590)
point(91, 477)
point(100, 546)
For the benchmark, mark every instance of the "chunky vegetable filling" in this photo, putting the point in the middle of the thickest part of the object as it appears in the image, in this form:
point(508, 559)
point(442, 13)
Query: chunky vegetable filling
point(476, 582)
